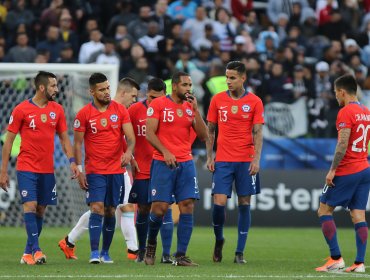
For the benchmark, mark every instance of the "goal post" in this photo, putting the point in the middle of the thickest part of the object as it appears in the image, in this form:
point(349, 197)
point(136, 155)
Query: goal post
point(16, 85)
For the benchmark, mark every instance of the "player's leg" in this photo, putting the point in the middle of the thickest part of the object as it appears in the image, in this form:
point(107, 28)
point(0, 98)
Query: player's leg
point(245, 186)
point(29, 209)
point(221, 189)
point(95, 197)
point(166, 236)
point(68, 244)
point(186, 191)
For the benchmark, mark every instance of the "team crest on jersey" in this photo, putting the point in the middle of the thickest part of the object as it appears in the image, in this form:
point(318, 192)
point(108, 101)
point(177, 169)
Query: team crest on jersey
point(113, 118)
point(11, 119)
point(104, 122)
point(76, 124)
point(52, 115)
point(246, 108)
point(150, 112)
point(179, 112)
point(154, 191)
point(189, 112)
point(234, 109)
point(24, 193)
point(44, 118)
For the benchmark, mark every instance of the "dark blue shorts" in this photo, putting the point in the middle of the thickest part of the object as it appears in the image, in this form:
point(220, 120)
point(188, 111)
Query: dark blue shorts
point(105, 188)
point(38, 187)
point(351, 191)
point(228, 172)
point(140, 192)
point(179, 183)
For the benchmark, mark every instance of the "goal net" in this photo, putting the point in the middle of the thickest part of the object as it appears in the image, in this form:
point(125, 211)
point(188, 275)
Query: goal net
point(16, 85)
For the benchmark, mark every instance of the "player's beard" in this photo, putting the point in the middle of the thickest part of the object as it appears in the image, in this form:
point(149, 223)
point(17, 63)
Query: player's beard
point(50, 97)
point(104, 100)
point(182, 96)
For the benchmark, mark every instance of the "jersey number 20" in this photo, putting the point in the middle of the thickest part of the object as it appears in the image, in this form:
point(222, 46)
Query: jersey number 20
point(362, 138)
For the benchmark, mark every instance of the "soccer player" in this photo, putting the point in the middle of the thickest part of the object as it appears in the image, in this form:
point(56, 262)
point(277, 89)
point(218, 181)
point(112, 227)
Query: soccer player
point(101, 125)
point(37, 120)
point(141, 172)
point(238, 114)
point(168, 126)
point(348, 179)
point(126, 95)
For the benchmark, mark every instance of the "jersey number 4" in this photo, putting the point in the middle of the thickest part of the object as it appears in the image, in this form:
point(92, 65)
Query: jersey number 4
point(363, 138)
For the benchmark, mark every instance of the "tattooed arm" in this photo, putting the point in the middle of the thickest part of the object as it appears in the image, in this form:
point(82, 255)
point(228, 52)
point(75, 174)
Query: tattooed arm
point(340, 151)
point(209, 145)
point(257, 140)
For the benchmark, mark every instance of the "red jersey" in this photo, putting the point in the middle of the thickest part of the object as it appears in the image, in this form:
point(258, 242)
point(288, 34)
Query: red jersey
point(144, 152)
point(356, 117)
point(175, 123)
point(235, 120)
point(103, 137)
point(37, 127)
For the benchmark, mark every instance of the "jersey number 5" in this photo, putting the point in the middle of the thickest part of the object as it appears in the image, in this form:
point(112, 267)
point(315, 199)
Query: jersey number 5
point(362, 138)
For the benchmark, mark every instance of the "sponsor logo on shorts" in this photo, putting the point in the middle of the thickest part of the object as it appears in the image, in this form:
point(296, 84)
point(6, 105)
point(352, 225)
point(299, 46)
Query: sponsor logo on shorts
point(24, 193)
point(134, 195)
point(87, 194)
point(154, 191)
point(52, 115)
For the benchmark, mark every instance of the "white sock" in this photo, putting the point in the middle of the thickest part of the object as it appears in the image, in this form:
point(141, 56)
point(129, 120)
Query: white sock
point(80, 228)
point(129, 230)
point(118, 214)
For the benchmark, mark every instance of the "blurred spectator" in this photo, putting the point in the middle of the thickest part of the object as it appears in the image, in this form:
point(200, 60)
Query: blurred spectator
point(21, 52)
point(351, 13)
point(124, 52)
point(182, 10)
point(94, 45)
point(309, 23)
point(184, 63)
point(121, 33)
point(36, 7)
point(43, 56)
point(4, 7)
point(204, 59)
point(141, 72)
point(275, 8)
point(282, 26)
point(239, 52)
point(139, 27)
point(66, 34)
point(363, 37)
point(51, 43)
point(150, 41)
point(160, 16)
point(51, 15)
point(20, 14)
point(250, 25)
point(124, 17)
point(66, 54)
point(254, 75)
point(224, 29)
point(90, 24)
point(108, 55)
point(196, 25)
point(239, 9)
point(302, 86)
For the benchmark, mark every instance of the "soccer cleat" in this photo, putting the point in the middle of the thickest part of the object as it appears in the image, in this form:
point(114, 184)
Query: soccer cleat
point(149, 257)
point(94, 257)
point(69, 252)
point(184, 261)
point(39, 257)
point(140, 256)
point(105, 258)
point(131, 255)
point(356, 268)
point(331, 265)
point(27, 259)
point(217, 251)
point(239, 258)
point(166, 259)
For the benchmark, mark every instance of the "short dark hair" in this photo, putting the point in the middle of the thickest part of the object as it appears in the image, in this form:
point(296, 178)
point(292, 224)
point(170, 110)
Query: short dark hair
point(128, 82)
point(238, 66)
point(42, 78)
point(97, 78)
point(156, 84)
point(346, 82)
point(176, 76)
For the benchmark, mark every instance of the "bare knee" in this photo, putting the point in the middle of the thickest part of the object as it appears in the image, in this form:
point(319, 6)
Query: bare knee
point(186, 206)
point(244, 200)
point(40, 210)
point(357, 216)
point(325, 210)
point(159, 208)
point(143, 209)
point(220, 199)
point(30, 207)
point(97, 208)
point(109, 212)
point(129, 207)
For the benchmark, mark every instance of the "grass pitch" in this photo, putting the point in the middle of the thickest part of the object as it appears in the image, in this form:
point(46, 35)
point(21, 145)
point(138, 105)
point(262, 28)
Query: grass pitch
point(272, 253)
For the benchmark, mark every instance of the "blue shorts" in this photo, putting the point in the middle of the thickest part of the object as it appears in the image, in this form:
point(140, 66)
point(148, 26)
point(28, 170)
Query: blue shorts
point(38, 187)
point(351, 191)
point(140, 192)
point(179, 183)
point(227, 172)
point(105, 188)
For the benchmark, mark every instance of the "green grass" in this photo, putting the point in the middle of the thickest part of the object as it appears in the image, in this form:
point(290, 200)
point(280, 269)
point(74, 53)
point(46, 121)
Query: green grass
point(272, 253)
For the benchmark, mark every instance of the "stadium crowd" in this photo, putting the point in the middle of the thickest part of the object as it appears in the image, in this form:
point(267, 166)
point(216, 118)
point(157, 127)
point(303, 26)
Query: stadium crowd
point(291, 48)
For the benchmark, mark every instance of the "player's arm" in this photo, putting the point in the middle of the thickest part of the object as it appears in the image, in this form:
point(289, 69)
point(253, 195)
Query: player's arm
point(340, 151)
point(151, 129)
point(77, 151)
point(68, 151)
point(7, 148)
point(209, 146)
point(130, 140)
point(254, 167)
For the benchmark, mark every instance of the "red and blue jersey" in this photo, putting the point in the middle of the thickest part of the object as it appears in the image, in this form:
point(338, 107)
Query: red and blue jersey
point(103, 137)
point(235, 119)
point(37, 127)
point(356, 117)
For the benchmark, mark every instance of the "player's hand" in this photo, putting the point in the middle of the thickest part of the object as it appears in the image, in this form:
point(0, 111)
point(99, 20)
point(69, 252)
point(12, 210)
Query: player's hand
point(192, 100)
point(329, 178)
point(82, 181)
point(74, 170)
point(134, 167)
point(211, 164)
point(170, 160)
point(125, 159)
point(4, 181)
point(254, 167)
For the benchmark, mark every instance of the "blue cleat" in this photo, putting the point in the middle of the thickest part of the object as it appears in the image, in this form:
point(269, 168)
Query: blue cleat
point(105, 258)
point(94, 257)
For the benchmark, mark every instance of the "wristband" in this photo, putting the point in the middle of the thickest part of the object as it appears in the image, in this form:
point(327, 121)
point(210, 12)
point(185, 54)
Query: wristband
point(79, 167)
point(132, 157)
point(72, 159)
